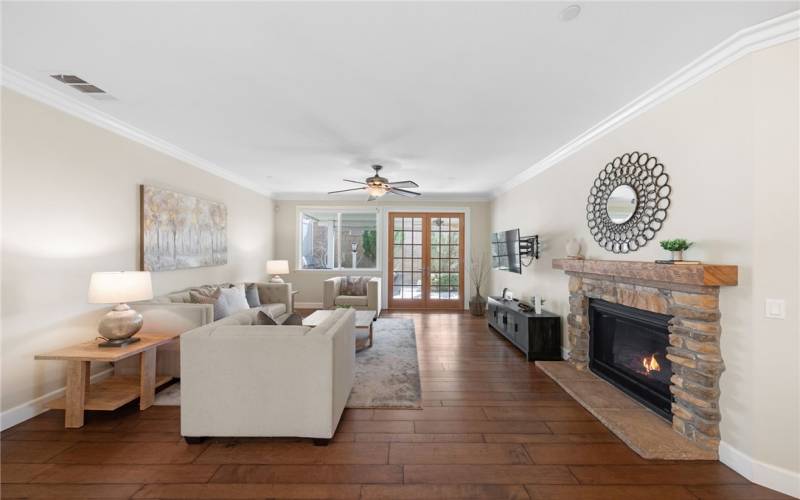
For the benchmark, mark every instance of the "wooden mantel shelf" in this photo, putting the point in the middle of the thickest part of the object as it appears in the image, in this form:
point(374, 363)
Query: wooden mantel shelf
point(684, 274)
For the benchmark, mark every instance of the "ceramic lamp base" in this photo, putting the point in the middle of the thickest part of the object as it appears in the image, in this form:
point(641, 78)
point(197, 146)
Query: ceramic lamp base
point(120, 323)
point(276, 279)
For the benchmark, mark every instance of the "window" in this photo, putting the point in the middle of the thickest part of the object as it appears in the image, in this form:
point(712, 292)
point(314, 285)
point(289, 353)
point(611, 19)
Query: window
point(338, 240)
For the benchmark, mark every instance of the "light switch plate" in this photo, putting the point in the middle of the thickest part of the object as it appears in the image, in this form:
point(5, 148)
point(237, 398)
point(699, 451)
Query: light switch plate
point(775, 309)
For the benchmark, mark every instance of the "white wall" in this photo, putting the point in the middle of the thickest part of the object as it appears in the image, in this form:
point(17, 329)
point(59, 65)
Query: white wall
point(730, 145)
point(310, 282)
point(70, 207)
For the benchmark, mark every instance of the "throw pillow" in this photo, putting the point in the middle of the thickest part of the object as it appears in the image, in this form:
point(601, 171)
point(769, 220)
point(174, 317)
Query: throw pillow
point(354, 286)
point(251, 292)
point(264, 319)
point(235, 299)
point(294, 319)
point(209, 296)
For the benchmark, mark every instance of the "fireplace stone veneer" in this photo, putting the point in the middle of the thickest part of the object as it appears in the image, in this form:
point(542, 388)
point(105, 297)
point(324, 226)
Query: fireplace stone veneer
point(689, 293)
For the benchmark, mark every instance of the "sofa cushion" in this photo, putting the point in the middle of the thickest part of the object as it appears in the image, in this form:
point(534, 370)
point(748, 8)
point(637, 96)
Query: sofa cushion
point(293, 319)
point(354, 286)
point(241, 318)
point(202, 296)
point(324, 326)
point(235, 299)
point(345, 300)
point(264, 319)
point(178, 297)
point(274, 310)
point(251, 292)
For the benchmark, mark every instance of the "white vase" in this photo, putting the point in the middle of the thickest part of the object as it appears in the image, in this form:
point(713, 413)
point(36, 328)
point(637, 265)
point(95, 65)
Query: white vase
point(677, 255)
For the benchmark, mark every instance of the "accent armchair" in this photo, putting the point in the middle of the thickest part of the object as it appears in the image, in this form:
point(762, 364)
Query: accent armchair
point(239, 380)
point(332, 296)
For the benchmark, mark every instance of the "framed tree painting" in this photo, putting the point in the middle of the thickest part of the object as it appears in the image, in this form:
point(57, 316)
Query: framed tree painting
point(180, 231)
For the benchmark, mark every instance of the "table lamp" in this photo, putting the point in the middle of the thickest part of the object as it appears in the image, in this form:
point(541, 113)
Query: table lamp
point(276, 268)
point(122, 322)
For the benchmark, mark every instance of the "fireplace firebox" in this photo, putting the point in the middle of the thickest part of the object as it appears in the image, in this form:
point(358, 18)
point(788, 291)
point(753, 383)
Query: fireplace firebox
point(628, 348)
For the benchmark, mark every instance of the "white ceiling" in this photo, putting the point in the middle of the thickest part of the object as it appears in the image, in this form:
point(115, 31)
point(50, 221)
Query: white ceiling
point(293, 97)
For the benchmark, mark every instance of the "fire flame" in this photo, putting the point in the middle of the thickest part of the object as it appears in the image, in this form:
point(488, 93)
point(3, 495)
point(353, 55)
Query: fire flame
point(650, 364)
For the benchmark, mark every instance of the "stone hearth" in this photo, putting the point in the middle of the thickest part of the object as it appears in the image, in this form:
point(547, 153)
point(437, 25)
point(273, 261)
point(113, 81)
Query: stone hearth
point(689, 293)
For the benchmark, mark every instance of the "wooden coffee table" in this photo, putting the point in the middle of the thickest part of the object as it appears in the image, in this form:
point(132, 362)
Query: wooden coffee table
point(114, 391)
point(364, 321)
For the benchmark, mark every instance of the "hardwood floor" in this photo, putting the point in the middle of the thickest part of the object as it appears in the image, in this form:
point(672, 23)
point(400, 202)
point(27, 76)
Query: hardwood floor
point(492, 426)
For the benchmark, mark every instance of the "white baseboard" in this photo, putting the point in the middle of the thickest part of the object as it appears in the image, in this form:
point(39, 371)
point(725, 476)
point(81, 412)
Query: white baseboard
point(769, 476)
point(308, 305)
point(25, 411)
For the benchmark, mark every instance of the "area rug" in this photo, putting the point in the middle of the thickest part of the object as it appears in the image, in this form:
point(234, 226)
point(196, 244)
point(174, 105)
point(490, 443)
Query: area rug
point(169, 395)
point(387, 374)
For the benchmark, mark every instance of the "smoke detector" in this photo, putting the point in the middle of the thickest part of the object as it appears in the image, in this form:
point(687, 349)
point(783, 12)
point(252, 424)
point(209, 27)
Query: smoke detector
point(570, 12)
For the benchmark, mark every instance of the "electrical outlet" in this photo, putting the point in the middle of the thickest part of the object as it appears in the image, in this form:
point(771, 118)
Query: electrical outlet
point(775, 309)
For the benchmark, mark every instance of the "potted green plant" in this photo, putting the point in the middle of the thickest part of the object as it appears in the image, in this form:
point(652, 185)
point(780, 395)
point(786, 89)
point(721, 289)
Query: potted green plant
point(676, 246)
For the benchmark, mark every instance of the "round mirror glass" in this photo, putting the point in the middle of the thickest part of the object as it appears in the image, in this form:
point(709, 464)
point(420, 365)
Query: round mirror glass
point(621, 204)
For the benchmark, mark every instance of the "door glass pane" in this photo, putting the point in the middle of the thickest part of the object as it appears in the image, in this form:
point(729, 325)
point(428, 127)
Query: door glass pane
point(445, 252)
point(407, 271)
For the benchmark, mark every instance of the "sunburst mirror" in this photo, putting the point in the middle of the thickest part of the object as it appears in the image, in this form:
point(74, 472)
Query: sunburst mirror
point(628, 202)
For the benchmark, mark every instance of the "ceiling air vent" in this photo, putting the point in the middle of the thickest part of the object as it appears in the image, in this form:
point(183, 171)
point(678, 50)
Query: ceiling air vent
point(88, 89)
point(83, 86)
point(71, 79)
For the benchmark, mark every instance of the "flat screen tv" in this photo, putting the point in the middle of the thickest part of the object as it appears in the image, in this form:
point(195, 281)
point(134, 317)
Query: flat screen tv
point(505, 251)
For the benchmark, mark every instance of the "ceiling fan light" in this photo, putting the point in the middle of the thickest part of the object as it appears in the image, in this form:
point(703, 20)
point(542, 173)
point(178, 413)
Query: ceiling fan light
point(376, 190)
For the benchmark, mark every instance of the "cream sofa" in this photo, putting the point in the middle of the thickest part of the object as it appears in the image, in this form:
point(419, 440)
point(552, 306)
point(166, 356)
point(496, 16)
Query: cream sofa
point(267, 381)
point(332, 298)
point(175, 313)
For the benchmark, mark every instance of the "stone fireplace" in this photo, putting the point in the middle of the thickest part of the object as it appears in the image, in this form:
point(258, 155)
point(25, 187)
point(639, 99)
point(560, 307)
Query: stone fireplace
point(607, 295)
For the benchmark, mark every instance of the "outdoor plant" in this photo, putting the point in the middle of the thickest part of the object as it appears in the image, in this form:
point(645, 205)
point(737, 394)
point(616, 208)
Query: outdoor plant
point(368, 243)
point(676, 245)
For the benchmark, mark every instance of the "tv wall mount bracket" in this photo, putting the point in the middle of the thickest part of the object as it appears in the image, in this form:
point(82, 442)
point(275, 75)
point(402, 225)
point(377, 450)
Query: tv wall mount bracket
point(528, 247)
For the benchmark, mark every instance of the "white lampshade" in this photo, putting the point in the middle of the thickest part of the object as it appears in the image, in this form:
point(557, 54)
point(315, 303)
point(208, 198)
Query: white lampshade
point(120, 287)
point(277, 267)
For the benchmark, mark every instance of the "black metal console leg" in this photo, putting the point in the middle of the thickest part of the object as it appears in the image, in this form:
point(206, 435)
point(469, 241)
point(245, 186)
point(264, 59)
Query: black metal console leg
point(194, 439)
point(321, 441)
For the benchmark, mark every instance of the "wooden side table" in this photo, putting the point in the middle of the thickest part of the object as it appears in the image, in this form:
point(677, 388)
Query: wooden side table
point(114, 391)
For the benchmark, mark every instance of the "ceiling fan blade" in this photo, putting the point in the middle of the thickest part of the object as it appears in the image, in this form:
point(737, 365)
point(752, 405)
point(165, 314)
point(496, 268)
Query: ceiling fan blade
point(355, 182)
point(404, 184)
point(403, 192)
point(346, 190)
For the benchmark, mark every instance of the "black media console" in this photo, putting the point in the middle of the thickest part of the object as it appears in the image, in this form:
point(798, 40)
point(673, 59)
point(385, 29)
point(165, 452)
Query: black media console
point(538, 336)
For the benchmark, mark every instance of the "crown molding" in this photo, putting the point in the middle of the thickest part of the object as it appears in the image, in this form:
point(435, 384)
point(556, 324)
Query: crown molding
point(41, 92)
point(760, 36)
point(425, 197)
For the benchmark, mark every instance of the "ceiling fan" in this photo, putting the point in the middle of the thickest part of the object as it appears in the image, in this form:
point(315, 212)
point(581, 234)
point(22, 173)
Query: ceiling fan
point(377, 186)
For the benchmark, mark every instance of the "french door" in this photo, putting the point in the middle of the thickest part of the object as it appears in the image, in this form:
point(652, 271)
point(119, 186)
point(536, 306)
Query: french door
point(426, 260)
